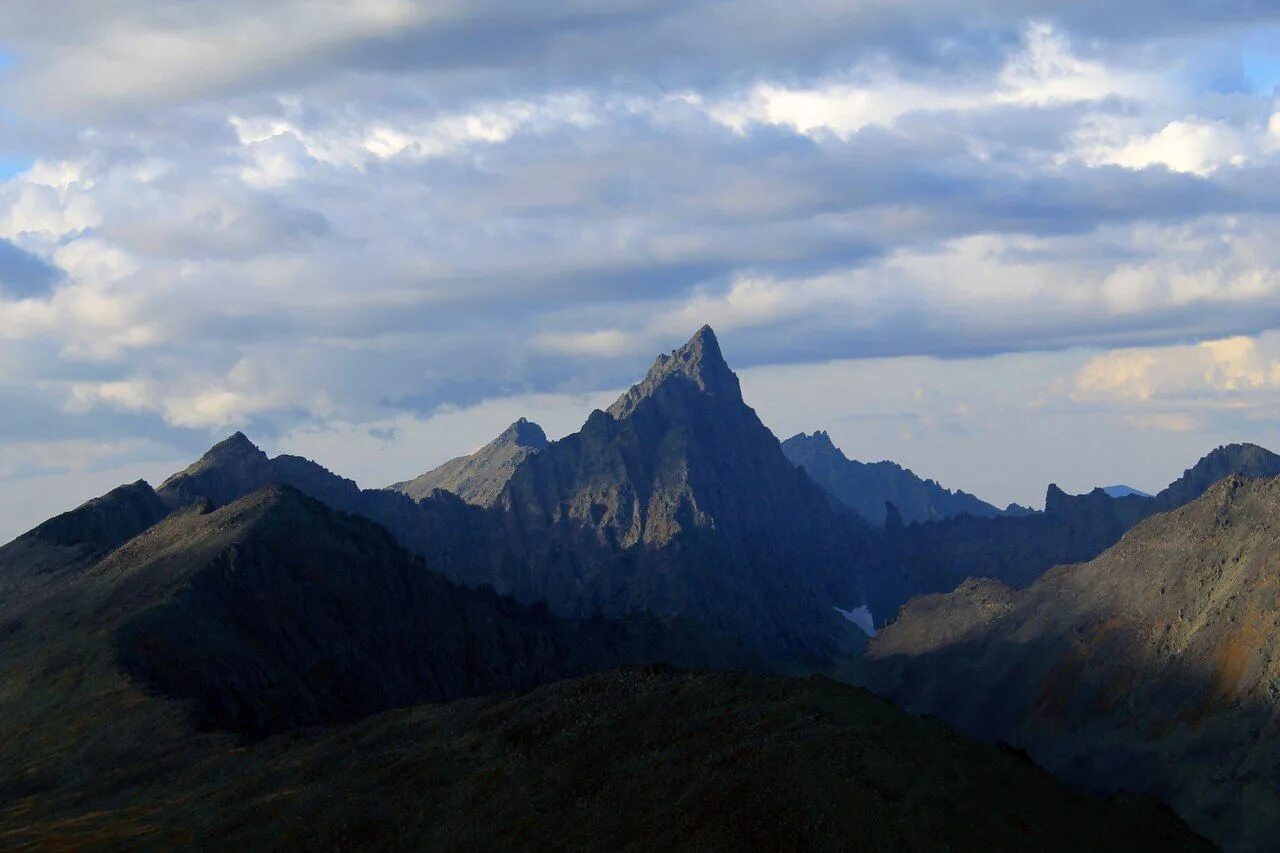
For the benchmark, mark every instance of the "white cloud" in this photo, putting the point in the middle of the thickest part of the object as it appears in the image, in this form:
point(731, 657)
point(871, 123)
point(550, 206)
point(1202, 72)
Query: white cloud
point(1236, 370)
point(143, 54)
point(604, 342)
point(1043, 71)
point(1047, 71)
point(1192, 144)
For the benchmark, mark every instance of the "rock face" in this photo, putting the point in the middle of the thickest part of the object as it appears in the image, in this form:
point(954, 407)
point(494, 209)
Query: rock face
point(679, 501)
point(1152, 668)
point(937, 557)
point(480, 477)
point(865, 488)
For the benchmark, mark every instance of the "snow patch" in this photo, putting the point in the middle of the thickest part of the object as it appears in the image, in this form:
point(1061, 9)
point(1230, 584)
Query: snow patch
point(860, 616)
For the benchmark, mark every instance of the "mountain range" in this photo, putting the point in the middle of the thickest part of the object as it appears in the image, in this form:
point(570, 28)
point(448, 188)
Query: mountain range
point(262, 652)
point(677, 502)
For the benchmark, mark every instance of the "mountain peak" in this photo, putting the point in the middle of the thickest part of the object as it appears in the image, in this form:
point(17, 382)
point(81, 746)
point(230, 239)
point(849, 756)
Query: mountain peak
point(523, 433)
point(818, 441)
point(1247, 459)
point(698, 361)
point(235, 445)
point(479, 477)
point(230, 469)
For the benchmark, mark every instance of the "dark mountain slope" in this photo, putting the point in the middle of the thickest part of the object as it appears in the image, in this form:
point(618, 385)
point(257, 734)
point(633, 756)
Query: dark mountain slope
point(276, 612)
point(479, 478)
point(1153, 668)
point(625, 760)
point(866, 487)
point(442, 528)
point(76, 538)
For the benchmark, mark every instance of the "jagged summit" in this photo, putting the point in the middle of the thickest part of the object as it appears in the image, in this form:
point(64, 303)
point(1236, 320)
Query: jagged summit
point(236, 444)
point(229, 470)
point(680, 502)
point(698, 361)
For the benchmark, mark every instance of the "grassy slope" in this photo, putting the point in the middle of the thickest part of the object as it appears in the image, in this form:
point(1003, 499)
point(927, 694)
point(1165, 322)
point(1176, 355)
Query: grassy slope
point(632, 758)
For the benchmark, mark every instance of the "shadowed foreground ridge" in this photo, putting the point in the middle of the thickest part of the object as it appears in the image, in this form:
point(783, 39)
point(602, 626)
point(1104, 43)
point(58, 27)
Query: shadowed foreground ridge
point(632, 759)
point(276, 612)
point(1152, 668)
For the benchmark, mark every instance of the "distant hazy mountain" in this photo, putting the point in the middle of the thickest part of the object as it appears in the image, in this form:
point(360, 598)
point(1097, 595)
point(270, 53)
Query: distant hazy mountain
point(1123, 492)
point(866, 487)
point(479, 477)
point(1152, 668)
point(937, 557)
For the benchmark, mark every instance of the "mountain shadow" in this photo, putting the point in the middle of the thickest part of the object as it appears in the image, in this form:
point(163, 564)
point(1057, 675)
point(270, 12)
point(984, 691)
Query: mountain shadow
point(631, 758)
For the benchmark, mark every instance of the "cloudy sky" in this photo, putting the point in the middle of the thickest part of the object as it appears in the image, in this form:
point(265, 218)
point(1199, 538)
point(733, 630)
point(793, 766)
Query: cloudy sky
point(1004, 242)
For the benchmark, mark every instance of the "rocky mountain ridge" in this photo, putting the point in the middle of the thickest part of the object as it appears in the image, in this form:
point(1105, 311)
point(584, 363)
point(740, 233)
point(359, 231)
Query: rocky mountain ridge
point(938, 556)
point(1151, 668)
point(866, 488)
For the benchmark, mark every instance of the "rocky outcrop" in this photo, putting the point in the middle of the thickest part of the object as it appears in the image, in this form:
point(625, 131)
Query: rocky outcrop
point(1152, 668)
point(866, 487)
point(480, 477)
point(1247, 460)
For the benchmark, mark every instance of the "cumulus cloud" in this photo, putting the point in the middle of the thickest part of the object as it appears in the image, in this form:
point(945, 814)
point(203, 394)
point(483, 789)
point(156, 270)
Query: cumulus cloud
point(1235, 371)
